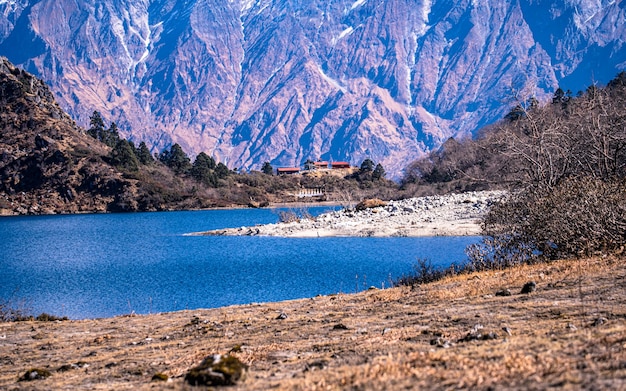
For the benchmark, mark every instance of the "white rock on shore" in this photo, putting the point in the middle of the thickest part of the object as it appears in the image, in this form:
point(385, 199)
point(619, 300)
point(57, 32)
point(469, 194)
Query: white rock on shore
point(447, 215)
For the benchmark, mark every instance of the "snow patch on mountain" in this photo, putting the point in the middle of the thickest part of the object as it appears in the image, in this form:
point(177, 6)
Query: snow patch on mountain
point(357, 4)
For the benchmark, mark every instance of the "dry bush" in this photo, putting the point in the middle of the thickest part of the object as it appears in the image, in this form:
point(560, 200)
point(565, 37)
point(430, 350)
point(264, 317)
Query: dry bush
point(579, 216)
point(565, 161)
point(293, 215)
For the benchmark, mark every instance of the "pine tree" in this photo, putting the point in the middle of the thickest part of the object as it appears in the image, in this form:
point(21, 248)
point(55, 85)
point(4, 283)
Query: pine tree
point(143, 154)
point(178, 160)
point(111, 136)
point(96, 126)
point(123, 156)
point(222, 171)
point(202, 169)
point(267, 168)
point(379, 172)
point(367, 165)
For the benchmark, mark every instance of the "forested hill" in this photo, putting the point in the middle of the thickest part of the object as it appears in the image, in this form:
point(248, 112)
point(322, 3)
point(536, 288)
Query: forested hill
point(47, 164)
point(50, 165)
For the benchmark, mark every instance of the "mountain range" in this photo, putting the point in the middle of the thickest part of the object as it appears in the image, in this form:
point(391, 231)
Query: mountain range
point(249, 81)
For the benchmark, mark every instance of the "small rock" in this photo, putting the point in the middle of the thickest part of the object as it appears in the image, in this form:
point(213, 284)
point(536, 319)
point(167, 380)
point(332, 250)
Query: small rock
point(35, 374)
point(503, 292)
point(160, 377)
point(599, 322)
point(65, 368)
point(475, 334)
point(69, 367)
point(440, 343)
point(217, 370)
point(281, 316)
point(340, 326)
point(370, 203)
point(320, 364)
point(529, 287)
point(507, 330)
point(572, 327)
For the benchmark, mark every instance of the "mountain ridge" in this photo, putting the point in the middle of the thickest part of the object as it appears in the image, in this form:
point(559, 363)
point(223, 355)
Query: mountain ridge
point(286, 81)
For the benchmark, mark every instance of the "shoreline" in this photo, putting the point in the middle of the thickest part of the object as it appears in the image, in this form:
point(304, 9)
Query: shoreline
point(442, 215)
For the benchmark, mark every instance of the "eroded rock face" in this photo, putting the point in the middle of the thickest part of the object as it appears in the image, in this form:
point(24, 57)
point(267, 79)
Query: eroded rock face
point(284, 81)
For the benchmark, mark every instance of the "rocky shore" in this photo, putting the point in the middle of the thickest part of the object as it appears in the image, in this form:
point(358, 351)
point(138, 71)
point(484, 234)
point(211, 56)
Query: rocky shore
point(447, 215)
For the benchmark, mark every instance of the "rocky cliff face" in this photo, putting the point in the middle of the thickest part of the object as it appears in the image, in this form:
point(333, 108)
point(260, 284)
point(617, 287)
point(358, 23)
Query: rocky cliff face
point(286, 80)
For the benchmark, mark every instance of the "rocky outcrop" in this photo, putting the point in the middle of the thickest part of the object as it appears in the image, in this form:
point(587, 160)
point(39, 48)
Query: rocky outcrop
point(283, 81)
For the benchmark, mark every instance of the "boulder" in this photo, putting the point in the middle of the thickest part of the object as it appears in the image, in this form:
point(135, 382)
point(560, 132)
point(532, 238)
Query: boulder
point(217, 370)
point(370, 203)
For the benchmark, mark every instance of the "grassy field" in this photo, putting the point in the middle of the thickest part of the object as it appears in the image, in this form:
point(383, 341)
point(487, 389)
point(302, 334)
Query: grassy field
point(454, 334)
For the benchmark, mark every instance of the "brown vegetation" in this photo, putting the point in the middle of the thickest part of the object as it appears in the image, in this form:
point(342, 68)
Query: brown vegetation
point(582, 136)
point(457, 333)
point(566, 165)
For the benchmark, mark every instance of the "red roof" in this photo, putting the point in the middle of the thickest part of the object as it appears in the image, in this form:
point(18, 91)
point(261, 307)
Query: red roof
point(288, 169)
point(340, 164)
point(321, 164)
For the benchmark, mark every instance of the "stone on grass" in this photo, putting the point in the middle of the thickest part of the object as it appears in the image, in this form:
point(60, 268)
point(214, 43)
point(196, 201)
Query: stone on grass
point(599, 322)
point(160, 377)
point(529, 287)
point(503, 292)
point(217, 370)
point(35, 374)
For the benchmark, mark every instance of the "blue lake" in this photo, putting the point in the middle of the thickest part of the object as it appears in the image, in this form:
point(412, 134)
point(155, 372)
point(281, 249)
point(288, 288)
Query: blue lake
point(100, 265)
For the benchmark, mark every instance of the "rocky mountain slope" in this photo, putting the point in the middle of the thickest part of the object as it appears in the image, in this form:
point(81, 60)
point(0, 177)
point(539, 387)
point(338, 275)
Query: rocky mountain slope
point(47, 165)
point(50, 165)
point(250, 81)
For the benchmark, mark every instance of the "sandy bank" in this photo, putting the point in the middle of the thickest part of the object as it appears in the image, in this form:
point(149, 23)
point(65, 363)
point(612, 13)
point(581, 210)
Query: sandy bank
point(448, 215)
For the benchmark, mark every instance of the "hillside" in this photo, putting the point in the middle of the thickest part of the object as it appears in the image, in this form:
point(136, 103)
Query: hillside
point(47, 163)
point(50, 165)
point(288, 80)
point(459, 333)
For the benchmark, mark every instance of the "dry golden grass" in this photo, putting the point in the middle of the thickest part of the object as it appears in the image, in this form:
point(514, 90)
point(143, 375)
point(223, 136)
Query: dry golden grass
point(569, 334)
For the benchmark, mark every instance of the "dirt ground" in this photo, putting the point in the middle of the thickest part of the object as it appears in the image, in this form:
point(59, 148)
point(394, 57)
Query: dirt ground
point(454, 334)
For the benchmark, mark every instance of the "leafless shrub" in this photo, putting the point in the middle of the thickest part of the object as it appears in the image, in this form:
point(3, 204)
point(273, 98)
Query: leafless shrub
point(424, 272)
point(12, 310)
point(293, 215)
point(565, 161)
point(577, 217)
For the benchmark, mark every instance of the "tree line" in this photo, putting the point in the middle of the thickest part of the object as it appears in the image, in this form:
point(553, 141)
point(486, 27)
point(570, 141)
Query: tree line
point(204, 181)
point(128, 158)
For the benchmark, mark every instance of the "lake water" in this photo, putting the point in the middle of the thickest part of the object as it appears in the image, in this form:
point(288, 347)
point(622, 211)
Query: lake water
point(100, 265)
